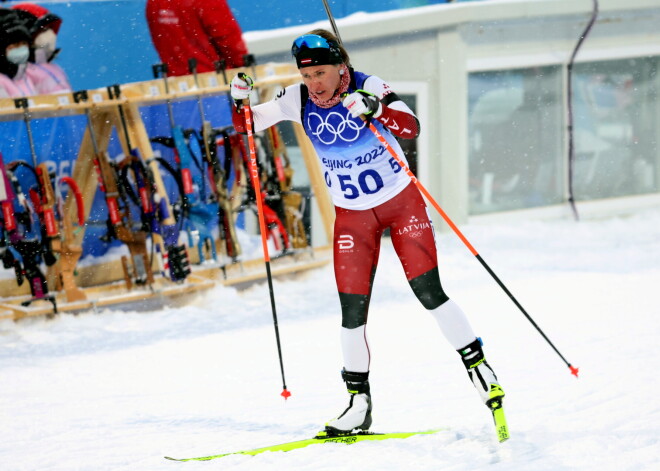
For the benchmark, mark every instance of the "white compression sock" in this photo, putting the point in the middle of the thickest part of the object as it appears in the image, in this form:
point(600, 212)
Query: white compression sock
point(355, 347)
point(454, 324)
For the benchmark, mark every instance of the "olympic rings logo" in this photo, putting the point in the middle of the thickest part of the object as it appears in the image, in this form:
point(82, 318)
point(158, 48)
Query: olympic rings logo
point(335, 125)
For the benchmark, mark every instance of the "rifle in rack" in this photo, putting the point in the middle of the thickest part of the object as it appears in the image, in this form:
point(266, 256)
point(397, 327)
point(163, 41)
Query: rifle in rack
point(196, 209)
point(182, 154)
point(293, 202)
point(134, 162)
point(242, 192)
point(60, 231)
point(283, 206)
point(157, 215)
point(8, 225)
point(119, 220)
point(57, 229)
point(276, 231)
point(26, 245)
point(30, 230)
point(218, 174)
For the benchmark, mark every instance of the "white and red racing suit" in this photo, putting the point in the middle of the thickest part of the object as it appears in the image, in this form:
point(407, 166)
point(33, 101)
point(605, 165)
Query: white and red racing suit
point(371, 193)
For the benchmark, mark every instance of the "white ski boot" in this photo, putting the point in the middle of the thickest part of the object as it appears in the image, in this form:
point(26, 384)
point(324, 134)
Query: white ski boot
point(481, 374)
point(489, 389)
point(358, 413)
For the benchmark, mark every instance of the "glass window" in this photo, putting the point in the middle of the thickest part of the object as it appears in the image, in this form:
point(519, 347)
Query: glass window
point(615, 115)
point(515, 139)
point(409, 146)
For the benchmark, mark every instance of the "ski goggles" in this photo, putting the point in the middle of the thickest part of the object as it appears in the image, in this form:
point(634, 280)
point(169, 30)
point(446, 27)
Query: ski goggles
point(310, 41)
point(311, 49)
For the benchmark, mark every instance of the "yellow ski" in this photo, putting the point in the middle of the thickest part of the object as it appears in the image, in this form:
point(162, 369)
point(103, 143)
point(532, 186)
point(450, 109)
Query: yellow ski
point(322, 437)
point(495, 405)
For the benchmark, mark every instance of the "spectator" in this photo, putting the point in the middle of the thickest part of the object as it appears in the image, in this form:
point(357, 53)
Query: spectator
point(14, 54)
point(205, 30)
point(43, 26)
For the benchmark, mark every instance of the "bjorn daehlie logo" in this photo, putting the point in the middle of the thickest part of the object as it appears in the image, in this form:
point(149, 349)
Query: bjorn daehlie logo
point(414, 227)
point(345, 242)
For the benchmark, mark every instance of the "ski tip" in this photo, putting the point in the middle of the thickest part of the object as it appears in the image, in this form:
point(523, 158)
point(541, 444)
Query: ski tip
point(285, 394)
point(574, 370)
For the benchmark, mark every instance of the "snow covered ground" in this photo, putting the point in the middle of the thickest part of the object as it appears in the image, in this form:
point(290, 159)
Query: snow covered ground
point(118, 391)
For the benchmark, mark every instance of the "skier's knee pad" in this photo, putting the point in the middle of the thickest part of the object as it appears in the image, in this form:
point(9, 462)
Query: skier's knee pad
point(354, 309)
point(428, 289)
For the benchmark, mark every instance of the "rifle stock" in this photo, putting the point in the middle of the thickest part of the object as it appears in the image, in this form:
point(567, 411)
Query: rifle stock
point(61, 241)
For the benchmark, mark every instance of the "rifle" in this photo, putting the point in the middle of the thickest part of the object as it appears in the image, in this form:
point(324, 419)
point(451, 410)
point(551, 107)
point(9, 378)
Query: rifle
point(219, 176)
point(293, 202)
point(134, 162)
point(243, 192)
point(119, 220)
point(25, 237)
point(195, 211)
point(46, 202)
point(61, 241)
point(276, 230)
point(182, 154)
point(8, 226)
point(281, 202)
point(156, 214)
point(69, 252)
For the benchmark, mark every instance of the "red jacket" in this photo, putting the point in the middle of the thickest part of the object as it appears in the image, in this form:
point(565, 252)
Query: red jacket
point(205, 30)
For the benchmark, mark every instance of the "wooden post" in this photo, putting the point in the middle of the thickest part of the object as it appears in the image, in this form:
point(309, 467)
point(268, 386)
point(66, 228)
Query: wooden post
point(84, 172)
point(62, 273)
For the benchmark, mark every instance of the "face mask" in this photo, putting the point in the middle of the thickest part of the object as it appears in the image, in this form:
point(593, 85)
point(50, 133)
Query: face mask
point(18, 55)
point(44, 46)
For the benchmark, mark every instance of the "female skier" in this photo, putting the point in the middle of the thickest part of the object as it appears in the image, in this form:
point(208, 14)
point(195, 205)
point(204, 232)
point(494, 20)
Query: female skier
point(371, 193)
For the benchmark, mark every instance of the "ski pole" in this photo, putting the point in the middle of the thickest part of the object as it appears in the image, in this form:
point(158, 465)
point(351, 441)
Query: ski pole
point(331, 18)
point(379, 136)
point(254, 174)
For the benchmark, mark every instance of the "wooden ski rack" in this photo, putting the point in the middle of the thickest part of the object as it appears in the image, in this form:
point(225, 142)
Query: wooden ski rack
point(105, 284)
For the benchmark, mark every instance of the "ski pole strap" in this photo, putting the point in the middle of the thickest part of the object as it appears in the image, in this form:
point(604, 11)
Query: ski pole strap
point(356, 382)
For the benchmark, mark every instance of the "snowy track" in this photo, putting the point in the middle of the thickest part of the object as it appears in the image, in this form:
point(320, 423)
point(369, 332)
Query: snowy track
point(118, 391)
